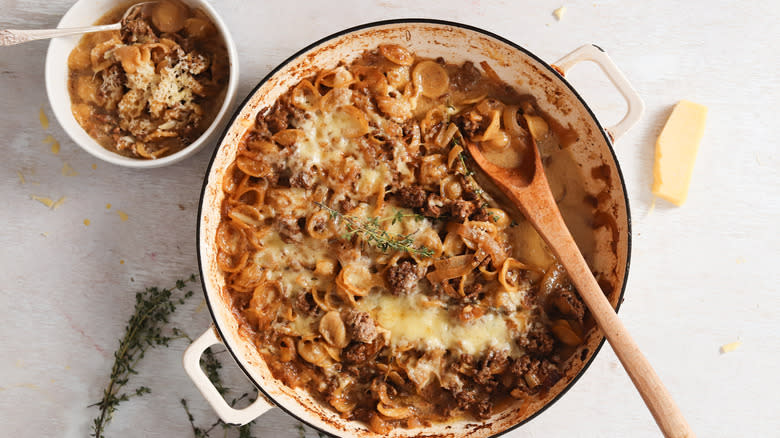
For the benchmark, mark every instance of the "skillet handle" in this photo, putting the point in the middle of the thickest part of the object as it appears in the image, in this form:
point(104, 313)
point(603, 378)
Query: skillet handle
point(594, 53)
point(226, 413)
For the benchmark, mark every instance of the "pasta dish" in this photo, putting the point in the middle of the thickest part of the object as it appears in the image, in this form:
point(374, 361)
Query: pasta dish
point(152, 88)
point(368, 264)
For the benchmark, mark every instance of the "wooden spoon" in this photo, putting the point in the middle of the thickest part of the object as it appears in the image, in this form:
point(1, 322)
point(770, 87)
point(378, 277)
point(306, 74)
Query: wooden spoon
point(527, 187)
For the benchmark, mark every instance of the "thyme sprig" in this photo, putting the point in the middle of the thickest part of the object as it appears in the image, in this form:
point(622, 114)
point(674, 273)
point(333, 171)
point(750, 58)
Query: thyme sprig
point(371, 230)
point(146, 328)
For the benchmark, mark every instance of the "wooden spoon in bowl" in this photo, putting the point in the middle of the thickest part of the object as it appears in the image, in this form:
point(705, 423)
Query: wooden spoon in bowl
point(527, 187)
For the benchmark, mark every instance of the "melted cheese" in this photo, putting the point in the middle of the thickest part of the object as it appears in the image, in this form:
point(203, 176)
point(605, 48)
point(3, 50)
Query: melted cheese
point(323, 143)
point(675, 151)
point(277, 252)
point(291, 260)
point(412, 319)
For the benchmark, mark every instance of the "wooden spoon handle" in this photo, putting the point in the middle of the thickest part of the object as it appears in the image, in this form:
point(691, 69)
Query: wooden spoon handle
point(657, 398)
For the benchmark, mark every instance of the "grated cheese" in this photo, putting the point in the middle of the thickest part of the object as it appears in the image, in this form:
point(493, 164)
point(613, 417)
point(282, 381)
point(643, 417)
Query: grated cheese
point(55, 145)
point(44, 120)
point(58, 203)
point(43, 200)
point(728, 348)
point(68, 170)
point(558, 13)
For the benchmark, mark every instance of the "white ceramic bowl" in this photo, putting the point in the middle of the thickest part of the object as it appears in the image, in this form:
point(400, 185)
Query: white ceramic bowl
point(85, 13)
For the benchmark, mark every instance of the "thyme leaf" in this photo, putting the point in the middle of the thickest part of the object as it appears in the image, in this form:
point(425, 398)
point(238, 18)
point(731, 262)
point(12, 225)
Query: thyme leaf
point(373, 233)
point(146, 328)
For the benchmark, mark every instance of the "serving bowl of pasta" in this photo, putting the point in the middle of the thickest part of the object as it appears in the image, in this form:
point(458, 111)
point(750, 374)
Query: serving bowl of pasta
point(362, 272)
point(150, 94)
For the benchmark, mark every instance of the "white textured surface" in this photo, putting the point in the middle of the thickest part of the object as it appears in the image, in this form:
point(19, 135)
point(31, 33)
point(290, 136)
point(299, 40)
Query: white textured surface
point(702, 275)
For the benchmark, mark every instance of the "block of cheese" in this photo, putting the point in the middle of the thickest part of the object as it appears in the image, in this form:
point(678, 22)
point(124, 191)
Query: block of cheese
point(675, 151)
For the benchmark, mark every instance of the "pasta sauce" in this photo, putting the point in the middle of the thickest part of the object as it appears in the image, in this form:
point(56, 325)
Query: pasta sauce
point(368, 264)
point(152, 88)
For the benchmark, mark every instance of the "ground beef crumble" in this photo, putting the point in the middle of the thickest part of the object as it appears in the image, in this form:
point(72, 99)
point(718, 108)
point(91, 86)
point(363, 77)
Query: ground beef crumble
point(413, 196)
point(360, 327)
point(402, 277)
point(538, 342)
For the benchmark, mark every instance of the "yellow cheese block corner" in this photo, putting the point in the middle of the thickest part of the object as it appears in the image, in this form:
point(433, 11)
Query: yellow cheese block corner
point(675, 151)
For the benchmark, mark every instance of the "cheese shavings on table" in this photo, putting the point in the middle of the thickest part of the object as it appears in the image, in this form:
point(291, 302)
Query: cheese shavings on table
point(728, 348)
point(558, 13)
point(675, 151)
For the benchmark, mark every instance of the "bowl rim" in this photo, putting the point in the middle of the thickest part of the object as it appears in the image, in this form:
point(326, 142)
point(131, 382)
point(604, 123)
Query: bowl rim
point(62, 111)
point(605, 135)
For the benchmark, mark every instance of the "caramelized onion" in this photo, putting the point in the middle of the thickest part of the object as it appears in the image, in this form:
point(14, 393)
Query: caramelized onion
point(494, 137)
point(453, 160)
point(537, 126)
point(454, 267)
point(394, 412)
point(509, 117)
point(505, 274)
point(564, 332)
point(490, 72)
point(553, 279)
point(476, 236)
point(446, 135)
point(433, 118)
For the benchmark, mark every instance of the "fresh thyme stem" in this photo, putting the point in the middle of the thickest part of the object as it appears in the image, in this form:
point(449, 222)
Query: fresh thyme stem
point(375, 235)
point(144, 329)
